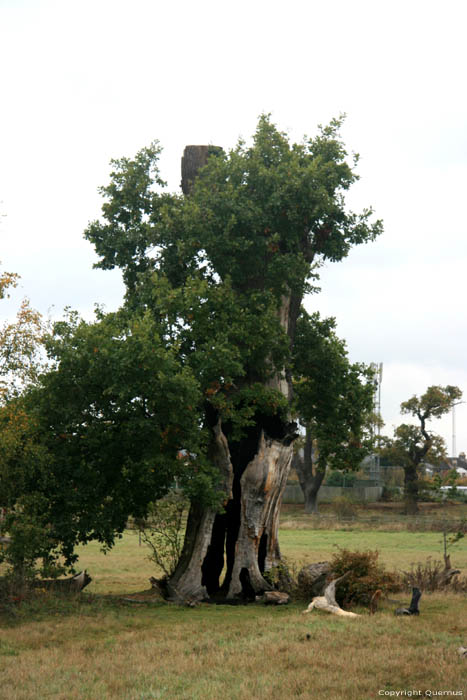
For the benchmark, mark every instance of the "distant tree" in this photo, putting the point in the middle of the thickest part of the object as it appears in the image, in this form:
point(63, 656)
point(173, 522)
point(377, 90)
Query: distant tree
point(413, 445)
point(335, 402)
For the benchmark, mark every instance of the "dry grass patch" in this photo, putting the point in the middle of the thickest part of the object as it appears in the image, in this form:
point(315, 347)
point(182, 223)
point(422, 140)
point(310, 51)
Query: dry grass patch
point(378, 516)
point(164, 651)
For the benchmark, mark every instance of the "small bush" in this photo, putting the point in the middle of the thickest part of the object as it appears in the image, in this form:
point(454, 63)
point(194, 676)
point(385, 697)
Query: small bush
point(366, 576)
point(429, 577)
point(344, 508)
point(391, 494)
point(163, 530)
point(281, 577)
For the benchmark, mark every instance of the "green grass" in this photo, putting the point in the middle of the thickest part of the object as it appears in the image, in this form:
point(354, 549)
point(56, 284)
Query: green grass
point(397, 550)
point(127, 568)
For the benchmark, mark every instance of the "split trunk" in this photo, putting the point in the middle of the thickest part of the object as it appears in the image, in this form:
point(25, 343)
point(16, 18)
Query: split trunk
point(226, 554)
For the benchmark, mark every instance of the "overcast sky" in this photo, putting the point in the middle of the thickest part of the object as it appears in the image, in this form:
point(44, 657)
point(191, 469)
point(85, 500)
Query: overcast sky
point(84, 82)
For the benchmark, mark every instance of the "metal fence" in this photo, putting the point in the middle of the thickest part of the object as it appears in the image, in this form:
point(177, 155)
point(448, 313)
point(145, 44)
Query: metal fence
point(362, 494)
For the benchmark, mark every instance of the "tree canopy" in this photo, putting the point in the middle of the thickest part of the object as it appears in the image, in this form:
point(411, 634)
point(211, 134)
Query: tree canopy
point(208, 357)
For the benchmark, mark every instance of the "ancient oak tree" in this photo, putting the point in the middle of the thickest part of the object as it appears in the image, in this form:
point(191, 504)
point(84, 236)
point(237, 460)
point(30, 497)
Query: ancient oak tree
point(221, 270)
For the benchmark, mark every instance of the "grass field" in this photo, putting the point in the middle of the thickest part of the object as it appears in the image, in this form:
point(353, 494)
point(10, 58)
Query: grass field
point(97, 646)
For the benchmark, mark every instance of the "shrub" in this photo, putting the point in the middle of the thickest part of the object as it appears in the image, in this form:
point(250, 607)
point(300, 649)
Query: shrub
point(366, 576)
point(163, 530)
point(32, 550)
point(282, 576)
point(429, 577)
point(391, 494)
point(344, 508)
point(338, 478)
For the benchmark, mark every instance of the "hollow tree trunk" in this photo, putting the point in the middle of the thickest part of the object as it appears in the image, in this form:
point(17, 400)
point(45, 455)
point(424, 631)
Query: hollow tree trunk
point(243, 538)
point(201, 558)
point(226, 554)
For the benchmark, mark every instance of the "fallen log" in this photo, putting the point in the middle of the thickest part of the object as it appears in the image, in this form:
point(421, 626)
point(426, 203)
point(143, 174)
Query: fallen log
point(312, 578)
point(74, 584)
point(273, 598)
point(327, 602)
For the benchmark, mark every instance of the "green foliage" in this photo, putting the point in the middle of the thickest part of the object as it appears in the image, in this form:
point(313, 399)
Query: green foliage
point(115, 413)
point(333, 397)
point(24, 478)
point(451, 539)
point(214, 266)
point(163, 530)
point(365, 578)
point(337, 478)
point(200, 335)
point(281, 576)
point(414, 444)
point(21, 344)
point(434, 403)
point(409, 446)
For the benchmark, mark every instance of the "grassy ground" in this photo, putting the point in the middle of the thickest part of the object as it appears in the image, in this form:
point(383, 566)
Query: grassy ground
point(96, 646)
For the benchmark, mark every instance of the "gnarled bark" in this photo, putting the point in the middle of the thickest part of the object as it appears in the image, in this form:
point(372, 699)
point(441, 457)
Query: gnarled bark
point(202, 560)
point(261, 488)
point(244, 537)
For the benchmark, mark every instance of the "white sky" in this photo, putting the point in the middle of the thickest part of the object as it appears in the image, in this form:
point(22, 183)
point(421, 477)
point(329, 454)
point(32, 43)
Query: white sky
point(84, 82)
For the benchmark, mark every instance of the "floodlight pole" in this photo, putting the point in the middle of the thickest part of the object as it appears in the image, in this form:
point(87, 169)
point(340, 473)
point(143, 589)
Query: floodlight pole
point(378, 374)
point(454, 449)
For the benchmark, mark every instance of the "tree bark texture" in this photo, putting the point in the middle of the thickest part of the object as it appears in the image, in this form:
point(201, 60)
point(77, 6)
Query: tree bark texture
point(225, 554)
